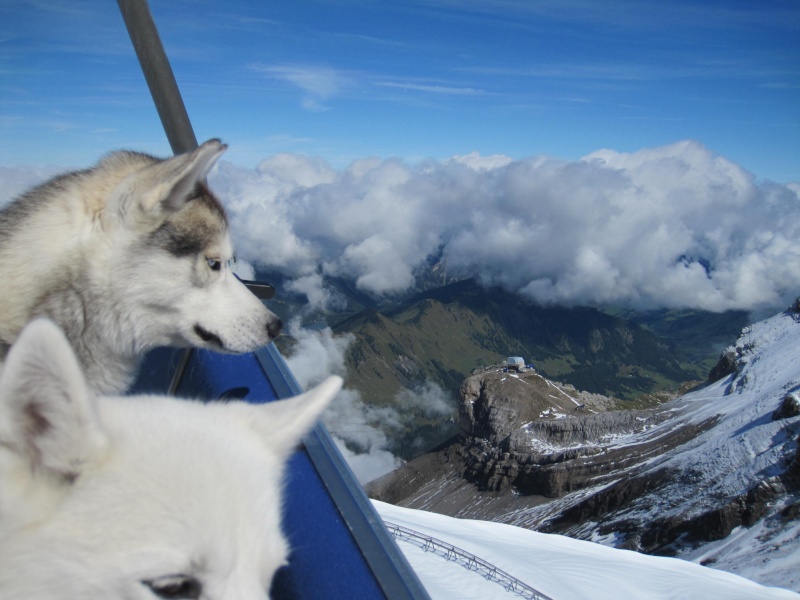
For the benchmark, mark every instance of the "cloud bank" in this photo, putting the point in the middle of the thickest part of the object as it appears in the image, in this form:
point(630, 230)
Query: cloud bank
point(675, 226)
point(353, 425)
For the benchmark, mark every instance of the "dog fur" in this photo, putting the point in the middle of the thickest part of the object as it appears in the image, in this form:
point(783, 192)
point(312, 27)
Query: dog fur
point(131, 254)
point(137, 498)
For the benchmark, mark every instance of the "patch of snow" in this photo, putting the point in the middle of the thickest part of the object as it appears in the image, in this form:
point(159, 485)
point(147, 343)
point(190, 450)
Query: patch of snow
point(552, 413)
point(559, 567)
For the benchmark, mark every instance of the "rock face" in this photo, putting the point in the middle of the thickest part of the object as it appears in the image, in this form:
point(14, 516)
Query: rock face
point(673, 480)
point(726, 364)
point(533, 436)
point(493, 404)
point(790, 407)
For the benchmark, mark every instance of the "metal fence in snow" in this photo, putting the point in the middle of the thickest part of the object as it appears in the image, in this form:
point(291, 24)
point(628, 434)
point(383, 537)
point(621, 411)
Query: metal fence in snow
point(468, 560)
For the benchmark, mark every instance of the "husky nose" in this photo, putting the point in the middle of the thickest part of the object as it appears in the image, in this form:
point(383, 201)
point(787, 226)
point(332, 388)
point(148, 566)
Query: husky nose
point(274, 327)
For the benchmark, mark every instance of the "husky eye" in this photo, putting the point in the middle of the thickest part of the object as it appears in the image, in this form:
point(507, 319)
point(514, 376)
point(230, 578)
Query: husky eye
point(176, 587)
point(214, 264)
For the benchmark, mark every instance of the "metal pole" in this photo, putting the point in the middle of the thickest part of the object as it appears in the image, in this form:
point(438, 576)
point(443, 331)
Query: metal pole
point(158, 73)
point(167, 98)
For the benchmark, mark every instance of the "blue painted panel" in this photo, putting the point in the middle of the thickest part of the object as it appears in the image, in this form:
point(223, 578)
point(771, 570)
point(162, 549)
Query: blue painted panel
point(325, 562)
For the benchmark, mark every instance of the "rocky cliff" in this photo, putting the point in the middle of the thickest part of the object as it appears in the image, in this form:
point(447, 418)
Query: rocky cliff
point(532, 437)
point(537, 437)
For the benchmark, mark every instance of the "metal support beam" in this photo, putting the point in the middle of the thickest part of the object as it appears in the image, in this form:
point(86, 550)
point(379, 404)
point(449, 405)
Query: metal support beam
point(158, 73)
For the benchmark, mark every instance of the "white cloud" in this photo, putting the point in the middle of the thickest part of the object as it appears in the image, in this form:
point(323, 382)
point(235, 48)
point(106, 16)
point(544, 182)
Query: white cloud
point(429, 398)
point(358, 429)
point(367, 466)
point(381, 269)
point(312, 286)
point(675, 226)
point(317, 354)
point(483, 163)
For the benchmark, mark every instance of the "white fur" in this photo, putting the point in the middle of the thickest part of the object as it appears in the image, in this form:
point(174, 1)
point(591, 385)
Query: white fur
point(81, 250)
point(119, 497)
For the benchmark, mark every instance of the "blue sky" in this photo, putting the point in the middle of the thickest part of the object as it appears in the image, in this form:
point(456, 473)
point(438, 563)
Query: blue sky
point(346, 79)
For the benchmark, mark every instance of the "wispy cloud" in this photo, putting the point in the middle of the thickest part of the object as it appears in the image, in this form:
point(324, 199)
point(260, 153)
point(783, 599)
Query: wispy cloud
point(433, 89)
point(63, 7)
point(625, 15)
point(54, 125)
point(318, 84)
point(605, 72)
point(632, 72)
point(781, 85)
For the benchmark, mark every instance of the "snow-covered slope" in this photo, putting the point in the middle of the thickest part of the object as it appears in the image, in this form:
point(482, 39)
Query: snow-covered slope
point(738, 465)
point(750, 444)
point(559, 567)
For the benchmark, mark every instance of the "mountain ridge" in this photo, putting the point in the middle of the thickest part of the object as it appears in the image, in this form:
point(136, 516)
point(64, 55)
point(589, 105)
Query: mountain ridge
point(583, 346)
point(714, 478)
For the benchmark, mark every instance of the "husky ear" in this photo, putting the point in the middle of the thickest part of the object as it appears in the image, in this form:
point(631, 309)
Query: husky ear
point(166, 186)
point(283, 424)
point(48, 416)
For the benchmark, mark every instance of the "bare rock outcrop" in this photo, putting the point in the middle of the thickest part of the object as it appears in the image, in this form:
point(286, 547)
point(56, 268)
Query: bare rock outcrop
point(494, 404)
point(532, 436)
point(726, 364)
point(789, 407)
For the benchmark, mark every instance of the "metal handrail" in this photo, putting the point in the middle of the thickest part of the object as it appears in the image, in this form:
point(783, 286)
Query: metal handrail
point(468, 560)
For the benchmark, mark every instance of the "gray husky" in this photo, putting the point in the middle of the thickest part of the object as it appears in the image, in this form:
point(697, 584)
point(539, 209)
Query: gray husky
point(128, 255)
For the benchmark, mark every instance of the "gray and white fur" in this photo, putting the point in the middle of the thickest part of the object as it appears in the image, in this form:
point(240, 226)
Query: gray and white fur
point(128, 255)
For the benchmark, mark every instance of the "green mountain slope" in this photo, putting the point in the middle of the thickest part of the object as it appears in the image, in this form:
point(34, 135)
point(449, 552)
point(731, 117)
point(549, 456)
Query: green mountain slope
point(445, 333)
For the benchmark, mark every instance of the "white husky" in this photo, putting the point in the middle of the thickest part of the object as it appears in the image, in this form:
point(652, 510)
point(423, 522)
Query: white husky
point(131, 254)
point(137, 497)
